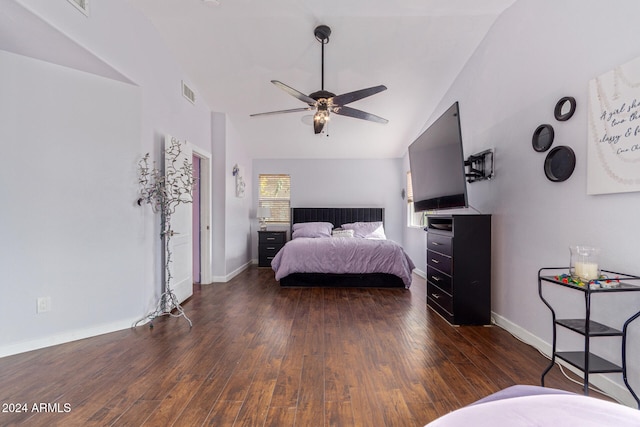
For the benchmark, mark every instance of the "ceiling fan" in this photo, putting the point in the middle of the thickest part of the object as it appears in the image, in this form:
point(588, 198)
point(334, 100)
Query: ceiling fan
point(324, 102)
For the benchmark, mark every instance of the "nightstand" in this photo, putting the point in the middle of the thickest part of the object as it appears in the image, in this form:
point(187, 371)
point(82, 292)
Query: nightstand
point(269, 243)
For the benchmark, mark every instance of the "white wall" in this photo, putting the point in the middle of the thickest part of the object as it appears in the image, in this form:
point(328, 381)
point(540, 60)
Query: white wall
point(339, 183)
point(74, 232)
point(70, 229)
point(537, 52)
point(219, 208)
point(237, 224)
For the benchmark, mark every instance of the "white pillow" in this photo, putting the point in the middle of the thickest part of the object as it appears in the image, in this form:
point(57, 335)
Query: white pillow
point(342, 233)
point(367, 230)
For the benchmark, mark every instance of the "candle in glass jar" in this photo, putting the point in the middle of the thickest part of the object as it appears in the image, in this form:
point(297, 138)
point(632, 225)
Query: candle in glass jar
point(586, 270)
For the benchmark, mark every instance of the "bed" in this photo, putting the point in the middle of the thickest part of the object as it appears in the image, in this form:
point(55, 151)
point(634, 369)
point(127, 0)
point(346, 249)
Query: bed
point(341, 247)
point(526, 405)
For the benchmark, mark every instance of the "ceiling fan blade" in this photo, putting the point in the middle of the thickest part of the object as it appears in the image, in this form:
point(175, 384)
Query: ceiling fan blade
point(348, 97)
point(293, 92)
point(358, 114)
point(292, 110)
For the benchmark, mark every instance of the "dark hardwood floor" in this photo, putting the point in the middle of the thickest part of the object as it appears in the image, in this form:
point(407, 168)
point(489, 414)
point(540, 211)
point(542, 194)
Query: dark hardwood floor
point(260, 355)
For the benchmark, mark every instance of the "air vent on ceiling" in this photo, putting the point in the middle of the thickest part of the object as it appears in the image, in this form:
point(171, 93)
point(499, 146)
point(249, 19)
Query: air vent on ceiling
point(188, 93)
point(81, 5)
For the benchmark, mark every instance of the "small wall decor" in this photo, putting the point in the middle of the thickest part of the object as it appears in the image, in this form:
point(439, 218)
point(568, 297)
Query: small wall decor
point(542, 138)
point(240, 184)
point(565, 108)
point(559, 163)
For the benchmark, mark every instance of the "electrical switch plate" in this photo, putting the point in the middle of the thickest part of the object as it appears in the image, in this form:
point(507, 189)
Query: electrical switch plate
point(44, 304)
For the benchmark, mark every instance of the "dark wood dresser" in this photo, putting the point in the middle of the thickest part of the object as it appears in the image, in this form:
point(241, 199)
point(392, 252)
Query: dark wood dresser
point(269, 243)
point(459, 268)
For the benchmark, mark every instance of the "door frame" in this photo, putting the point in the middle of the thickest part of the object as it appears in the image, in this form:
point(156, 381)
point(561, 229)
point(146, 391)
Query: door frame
point(206, 231)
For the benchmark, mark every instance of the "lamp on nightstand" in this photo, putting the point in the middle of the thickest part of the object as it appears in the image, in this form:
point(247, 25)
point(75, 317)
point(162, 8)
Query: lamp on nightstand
point(262, 214)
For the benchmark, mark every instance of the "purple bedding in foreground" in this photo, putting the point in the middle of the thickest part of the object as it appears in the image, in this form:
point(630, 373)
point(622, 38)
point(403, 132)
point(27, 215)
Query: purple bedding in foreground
point(342, 255)
point(542, 410)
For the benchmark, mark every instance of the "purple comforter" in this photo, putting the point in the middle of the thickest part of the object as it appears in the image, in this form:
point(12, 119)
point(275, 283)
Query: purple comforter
point(340, 255)
point(542, 410)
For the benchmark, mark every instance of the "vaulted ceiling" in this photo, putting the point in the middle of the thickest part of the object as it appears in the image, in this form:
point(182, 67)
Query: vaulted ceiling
point(231, 50)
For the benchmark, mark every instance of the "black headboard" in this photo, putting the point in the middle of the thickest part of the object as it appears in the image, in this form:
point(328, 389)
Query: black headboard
point(336, 216)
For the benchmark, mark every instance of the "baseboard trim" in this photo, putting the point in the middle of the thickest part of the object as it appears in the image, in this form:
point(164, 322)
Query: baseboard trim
point(66, 337)
point(78, 334)
point(615, 390)
point(234, 273)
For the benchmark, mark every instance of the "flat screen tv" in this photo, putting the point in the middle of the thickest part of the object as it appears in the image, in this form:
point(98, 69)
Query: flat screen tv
point(437, 165)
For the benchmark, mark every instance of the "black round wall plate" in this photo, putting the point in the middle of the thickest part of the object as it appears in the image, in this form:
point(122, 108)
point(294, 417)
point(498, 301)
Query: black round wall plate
point(542, 138)
point(560, 163)
point(565, 108)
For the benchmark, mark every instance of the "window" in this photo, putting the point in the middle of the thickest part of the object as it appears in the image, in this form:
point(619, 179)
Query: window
point(409, 188)
point(275, 194)
point(414, 219)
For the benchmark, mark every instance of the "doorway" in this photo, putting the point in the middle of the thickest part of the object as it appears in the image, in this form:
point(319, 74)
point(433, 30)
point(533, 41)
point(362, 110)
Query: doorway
point(201, 212)
point(197, 241)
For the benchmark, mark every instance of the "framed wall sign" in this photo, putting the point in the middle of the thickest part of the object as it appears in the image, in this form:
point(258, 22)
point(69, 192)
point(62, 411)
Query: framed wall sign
point(613, 148)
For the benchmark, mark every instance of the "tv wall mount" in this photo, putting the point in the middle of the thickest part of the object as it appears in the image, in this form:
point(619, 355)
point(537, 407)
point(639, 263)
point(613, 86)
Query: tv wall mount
point(480, 166)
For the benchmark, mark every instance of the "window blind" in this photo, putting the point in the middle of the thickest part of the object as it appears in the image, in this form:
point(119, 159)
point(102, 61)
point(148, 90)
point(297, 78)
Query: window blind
point(275, 194)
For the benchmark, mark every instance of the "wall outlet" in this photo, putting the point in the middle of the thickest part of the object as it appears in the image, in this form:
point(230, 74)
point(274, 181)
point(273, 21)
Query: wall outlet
point(44, 304)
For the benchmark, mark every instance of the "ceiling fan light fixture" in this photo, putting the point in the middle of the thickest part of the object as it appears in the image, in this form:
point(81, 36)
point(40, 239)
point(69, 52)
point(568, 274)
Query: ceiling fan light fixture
point(321, 116)
point(320, 119)
point(323, 105)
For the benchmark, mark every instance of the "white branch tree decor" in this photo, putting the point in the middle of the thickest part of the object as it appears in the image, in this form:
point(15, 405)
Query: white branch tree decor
point(165, 191)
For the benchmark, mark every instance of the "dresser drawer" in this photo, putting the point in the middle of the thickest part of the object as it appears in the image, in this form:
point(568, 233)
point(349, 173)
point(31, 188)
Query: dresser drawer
point(270, 249)
point(439, 243)
point(441, 298)
point(264, 260)
point(443, 281)
point(271, 237)
point(439, 261)
point(266, 253)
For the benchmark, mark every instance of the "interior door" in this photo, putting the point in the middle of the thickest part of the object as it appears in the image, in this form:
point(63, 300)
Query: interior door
point(180, 238)
point(196, 224)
